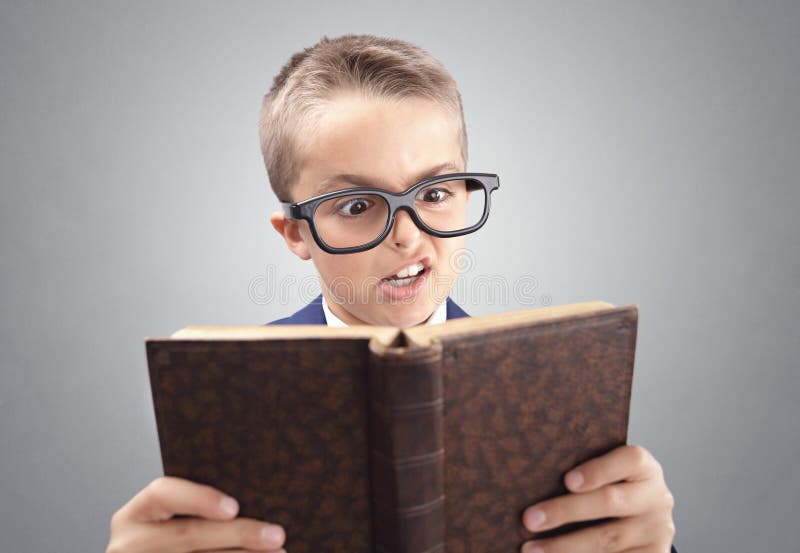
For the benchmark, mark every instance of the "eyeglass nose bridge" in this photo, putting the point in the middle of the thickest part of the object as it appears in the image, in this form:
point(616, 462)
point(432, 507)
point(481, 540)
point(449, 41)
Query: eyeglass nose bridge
point(404, 202)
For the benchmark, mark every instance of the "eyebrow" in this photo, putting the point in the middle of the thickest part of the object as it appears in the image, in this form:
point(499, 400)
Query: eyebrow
point(333, 181)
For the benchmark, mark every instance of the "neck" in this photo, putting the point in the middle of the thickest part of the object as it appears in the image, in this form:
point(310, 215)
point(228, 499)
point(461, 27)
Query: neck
point(343, 314)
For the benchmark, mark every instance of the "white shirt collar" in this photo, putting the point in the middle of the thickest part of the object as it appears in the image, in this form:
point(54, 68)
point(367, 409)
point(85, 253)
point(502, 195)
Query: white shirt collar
point(439, 315)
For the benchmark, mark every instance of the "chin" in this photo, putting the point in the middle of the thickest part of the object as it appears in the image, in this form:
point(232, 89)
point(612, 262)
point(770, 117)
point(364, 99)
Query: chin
point(404, 316)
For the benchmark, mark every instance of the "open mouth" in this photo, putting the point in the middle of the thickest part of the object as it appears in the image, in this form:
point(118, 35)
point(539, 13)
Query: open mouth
point(406, 276)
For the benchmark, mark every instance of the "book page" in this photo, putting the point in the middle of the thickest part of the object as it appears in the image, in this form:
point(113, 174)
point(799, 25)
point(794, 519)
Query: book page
point(422, 335)
point(385, 334)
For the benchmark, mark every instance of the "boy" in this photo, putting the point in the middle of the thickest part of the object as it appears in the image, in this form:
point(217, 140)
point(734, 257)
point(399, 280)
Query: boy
point(366, 112)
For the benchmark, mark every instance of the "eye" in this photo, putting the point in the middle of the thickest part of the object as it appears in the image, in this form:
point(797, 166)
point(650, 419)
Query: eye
point(354, 206)
point(433, 195)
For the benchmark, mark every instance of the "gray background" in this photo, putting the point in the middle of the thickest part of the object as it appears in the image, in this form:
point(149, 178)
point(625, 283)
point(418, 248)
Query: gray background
point(648, 154)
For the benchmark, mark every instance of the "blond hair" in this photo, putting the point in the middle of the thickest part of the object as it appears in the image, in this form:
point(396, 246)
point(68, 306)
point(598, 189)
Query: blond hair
point(377, 67)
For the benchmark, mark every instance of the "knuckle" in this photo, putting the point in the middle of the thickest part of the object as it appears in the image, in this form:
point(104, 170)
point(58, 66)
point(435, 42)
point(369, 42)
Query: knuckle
point(157, 487)
point(669, 500)
point(609, 538)
point(668, 528)
point(116, 519)
point(659, 470)
point(640, 455)
point(644, 461)
point(187, 534)
point(663, 528)
point(613, 499)
point(671, 528)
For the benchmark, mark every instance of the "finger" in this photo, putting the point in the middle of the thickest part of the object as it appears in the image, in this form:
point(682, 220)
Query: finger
point(242, 551)
point(614, 500)
point(627, 462)
point(168, 496)
point(194, 534)
point(609, 537)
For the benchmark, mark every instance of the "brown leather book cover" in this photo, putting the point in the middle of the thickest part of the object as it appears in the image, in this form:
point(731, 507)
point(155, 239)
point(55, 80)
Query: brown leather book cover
point(374, 439)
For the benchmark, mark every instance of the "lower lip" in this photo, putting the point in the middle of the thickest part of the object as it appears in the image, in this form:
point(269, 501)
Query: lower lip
point(403, 292)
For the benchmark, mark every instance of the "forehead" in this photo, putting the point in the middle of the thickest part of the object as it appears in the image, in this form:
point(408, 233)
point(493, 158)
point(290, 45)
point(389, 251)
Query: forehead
point(382, 143)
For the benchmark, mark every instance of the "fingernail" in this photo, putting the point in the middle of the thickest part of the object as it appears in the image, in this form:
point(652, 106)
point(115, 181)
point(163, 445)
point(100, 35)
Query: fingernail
point(229, 506)
point(272, 535)
point(534, 519)
point(532, 547)
point(574, 480)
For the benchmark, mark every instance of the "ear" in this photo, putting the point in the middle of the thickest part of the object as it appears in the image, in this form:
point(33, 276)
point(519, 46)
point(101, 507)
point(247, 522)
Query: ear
point(290, 232)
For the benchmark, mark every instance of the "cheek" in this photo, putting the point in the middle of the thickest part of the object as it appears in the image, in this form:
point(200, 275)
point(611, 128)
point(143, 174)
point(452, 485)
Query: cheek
point(350, 278)
point(352, 267)
point(328, 265)
point(451, 254)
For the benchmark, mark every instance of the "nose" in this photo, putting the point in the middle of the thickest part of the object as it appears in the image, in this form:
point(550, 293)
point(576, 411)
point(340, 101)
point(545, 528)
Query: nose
point(405, 233)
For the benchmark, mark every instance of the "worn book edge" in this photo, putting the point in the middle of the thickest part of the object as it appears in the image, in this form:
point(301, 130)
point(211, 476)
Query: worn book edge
point(387, 336)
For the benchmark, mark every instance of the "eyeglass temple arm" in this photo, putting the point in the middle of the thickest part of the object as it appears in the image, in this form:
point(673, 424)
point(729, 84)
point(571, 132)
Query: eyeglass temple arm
point(290, 210)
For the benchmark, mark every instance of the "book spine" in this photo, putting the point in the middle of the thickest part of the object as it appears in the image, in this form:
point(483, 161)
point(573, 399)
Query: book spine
point(407, 449)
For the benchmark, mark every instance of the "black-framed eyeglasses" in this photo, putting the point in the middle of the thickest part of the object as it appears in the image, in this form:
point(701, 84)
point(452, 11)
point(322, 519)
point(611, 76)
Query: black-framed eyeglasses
point(358, 219)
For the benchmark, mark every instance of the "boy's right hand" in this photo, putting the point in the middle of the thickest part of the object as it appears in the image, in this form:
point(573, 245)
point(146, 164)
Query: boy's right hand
point(147, 524)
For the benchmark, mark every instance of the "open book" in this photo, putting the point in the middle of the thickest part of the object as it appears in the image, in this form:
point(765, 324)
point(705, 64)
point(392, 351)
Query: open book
point(378, 439)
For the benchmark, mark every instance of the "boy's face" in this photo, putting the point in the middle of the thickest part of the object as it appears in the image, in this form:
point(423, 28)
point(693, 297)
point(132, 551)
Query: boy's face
point(389, 145)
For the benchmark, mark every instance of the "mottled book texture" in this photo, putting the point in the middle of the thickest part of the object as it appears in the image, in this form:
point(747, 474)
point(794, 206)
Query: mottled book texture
point(378, 439)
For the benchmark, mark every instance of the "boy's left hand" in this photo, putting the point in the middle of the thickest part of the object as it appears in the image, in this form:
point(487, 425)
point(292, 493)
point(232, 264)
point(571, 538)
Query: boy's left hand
point(626, 483)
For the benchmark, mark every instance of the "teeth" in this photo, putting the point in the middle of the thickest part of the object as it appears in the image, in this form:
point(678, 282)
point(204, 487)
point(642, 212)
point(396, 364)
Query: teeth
point(411, 270)
point(401, 281)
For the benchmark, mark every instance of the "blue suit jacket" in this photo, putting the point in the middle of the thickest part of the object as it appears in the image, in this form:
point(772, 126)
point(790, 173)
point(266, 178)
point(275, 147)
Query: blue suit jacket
point(312, 314)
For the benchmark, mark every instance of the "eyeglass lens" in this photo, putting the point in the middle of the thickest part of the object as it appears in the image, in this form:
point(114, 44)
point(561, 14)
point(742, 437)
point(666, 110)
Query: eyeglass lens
point(357, 219)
